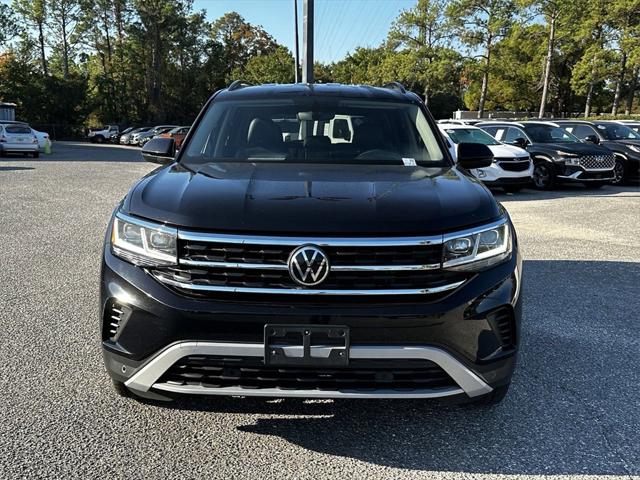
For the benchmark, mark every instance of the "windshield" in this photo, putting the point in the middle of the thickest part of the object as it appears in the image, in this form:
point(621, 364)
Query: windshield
point(549, 134)
point(470, 135)
point(314, 130)
point(612, 131)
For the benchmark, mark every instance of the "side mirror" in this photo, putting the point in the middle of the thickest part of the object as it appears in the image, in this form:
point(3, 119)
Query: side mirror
point(591, 139)
point(474, 155)
point(159, 150)
point(520, 142)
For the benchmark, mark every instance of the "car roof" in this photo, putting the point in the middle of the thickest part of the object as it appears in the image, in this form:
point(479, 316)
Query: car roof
point(273, 90)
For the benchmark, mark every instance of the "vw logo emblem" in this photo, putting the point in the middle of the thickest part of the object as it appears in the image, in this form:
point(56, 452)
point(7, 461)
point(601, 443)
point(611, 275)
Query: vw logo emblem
point(308, 265)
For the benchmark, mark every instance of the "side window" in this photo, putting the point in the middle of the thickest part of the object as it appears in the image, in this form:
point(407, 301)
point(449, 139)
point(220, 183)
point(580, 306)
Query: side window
point(491, 130)
point(500, 134)
point(512, 134)
point(583, 131)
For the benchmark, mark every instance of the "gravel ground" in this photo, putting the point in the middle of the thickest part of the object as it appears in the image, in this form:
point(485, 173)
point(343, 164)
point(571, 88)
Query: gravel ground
point(573, 411)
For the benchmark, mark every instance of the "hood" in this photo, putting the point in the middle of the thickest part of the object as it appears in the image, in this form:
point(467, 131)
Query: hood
point(575, 147)
point(322, 199)
point(502, 151)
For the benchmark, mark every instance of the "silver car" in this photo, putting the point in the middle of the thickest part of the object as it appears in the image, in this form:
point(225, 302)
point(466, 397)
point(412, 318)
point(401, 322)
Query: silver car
point(18, 138)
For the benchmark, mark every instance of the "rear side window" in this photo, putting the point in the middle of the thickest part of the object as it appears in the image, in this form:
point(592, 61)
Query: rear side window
point(17, 129)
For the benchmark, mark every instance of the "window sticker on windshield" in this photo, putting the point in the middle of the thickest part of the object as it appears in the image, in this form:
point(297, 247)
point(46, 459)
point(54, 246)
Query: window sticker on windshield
point(409, 162)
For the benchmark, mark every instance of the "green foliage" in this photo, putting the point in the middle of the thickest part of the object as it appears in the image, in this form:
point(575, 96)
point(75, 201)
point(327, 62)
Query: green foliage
point(275, 67)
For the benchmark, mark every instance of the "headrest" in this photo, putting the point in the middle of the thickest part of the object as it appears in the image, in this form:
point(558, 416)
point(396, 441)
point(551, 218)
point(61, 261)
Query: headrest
point(264, 133)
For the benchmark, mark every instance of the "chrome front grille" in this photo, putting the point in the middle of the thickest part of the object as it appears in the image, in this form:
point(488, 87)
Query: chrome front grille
point(597, 162)
point(211, 264)
point(513, 164)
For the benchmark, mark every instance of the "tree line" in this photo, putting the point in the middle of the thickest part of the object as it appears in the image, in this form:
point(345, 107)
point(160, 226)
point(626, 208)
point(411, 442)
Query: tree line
point(86, 62)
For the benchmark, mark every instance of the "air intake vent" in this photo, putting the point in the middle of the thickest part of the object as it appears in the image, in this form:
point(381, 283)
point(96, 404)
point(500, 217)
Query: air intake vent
point(503, 325)
point(115, 317)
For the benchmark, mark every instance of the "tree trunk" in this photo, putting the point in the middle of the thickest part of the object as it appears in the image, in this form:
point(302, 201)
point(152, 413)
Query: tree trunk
point(485, 80)
point(619, 82)
point(632, 90)
point(547, 65)
point(65, 46)
point(43, 57)
point(587, 105)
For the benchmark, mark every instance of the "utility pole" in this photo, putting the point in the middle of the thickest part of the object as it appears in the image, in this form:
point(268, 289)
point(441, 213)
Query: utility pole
point(297, 51)
point(307, 41)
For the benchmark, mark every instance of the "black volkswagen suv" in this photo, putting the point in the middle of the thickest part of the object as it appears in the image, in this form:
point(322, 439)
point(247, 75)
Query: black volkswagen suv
point(558, 156)
point(622, 140)
point(352, 259)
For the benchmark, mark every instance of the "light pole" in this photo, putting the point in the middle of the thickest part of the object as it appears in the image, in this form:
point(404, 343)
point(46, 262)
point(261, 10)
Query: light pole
point(307, 41)
point(297, 50)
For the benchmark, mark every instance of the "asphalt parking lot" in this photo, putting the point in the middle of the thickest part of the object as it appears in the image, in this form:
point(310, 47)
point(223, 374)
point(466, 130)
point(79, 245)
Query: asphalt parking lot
point(573, 411)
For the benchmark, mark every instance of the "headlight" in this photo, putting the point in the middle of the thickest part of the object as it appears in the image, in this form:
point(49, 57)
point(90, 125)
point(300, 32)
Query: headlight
point(635, 148)
point(143, 243)
point(569, 158)
point(477, 249)
point(566, 154)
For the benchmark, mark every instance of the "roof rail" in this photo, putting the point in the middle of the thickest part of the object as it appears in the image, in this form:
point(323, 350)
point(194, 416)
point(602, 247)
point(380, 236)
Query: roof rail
point(395, 86)
point(238, 84)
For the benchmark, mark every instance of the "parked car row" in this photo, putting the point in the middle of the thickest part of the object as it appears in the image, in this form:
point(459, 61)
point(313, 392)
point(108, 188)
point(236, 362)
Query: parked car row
point(593, 153)
point(20, 138)
point(137, 136)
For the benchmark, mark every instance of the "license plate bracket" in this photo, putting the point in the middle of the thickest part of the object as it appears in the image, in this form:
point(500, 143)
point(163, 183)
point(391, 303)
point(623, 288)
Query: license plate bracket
point(306, 345)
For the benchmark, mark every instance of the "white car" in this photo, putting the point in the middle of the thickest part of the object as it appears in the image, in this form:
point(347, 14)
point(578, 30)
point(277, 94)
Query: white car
point(17, 138)
point(512, 167)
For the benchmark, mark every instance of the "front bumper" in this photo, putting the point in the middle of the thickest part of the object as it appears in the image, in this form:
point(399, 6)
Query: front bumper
point(494, 175)
point(457, 333)
point(579, 174)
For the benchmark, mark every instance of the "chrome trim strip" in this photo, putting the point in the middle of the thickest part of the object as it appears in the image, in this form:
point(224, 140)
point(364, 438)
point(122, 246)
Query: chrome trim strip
point(319, 241)
point(333, 268)
point(475, 230)
point(305, 291)
point(384, 268)
point(248, 266)
point(147, 376)
point(286, 393)
point(146, 224)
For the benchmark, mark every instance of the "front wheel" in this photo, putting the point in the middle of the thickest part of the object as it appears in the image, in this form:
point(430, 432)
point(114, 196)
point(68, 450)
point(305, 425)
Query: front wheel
point(618, 171)
point(544, 177)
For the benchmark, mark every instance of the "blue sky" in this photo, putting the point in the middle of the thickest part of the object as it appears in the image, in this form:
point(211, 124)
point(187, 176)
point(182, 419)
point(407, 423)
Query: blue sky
point(341, 25)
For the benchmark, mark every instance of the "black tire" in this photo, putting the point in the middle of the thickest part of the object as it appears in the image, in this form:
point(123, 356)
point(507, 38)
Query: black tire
point(121, 390)
point(594, 185)
point(544, 175)
point(493, 398)
point(99, 139)
point(36, 154)
point(512, 188)
point(619, 171)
